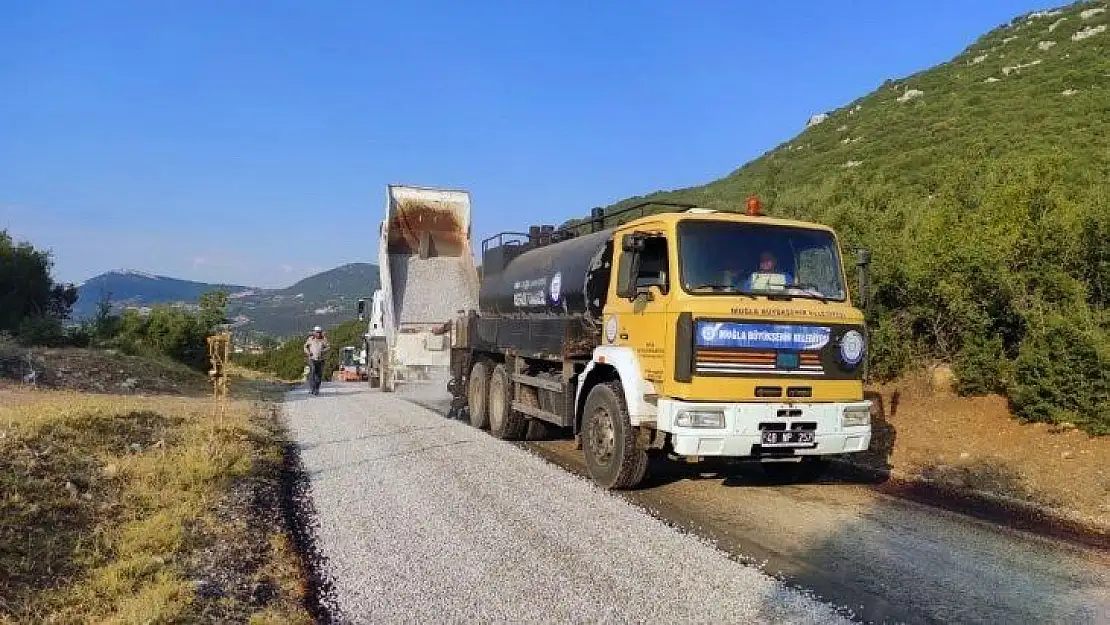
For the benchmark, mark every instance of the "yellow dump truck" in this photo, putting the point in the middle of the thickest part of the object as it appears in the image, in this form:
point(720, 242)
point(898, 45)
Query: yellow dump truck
point(687, 332)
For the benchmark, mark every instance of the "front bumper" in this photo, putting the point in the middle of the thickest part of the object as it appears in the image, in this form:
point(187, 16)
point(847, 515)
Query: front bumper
point(744, 423)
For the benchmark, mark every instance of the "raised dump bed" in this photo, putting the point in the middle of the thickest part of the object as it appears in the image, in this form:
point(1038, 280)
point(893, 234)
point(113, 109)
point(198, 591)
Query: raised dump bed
point(428, 274)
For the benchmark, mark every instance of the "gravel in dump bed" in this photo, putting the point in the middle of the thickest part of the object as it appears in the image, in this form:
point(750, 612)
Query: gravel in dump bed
point(423, 519)
point(431, 290)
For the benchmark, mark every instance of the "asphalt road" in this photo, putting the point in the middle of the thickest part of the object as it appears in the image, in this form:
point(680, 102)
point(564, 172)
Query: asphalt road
point(882, 557)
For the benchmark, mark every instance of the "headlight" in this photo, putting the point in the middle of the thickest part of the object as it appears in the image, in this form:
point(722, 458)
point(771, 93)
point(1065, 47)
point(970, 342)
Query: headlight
point(851, 348)
point(855, 416)
point(700, 419)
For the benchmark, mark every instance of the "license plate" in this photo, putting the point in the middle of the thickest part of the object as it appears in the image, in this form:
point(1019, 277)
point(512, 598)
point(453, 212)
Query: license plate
point(788, 437)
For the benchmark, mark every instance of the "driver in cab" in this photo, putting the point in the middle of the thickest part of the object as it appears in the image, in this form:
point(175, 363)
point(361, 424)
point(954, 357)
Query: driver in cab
point(768, 277)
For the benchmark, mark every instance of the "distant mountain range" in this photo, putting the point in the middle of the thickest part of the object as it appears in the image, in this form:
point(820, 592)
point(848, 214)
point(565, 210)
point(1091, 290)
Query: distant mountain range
point(324, 299)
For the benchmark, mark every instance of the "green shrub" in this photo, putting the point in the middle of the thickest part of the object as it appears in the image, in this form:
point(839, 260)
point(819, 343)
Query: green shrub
point(41, 330)
point(1062, 373)
point(891, 349)
point(166, 331)
point(981, 367)
point(79, 336)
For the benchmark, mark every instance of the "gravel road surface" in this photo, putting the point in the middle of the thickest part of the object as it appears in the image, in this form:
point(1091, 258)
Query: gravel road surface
point(888, 559)
point(891, 560)
point(422, 519)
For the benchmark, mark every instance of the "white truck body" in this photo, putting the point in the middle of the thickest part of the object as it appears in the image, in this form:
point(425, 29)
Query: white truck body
point(428, 274)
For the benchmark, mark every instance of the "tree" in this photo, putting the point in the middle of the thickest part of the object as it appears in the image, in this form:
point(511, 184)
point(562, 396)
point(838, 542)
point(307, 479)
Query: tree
point(213, 309)
point(31, 303)
point(105, 324)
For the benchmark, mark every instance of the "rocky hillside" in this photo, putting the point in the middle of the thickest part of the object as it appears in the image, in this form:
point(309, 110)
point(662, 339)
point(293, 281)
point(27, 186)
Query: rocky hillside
point(982, 186)
point(326, 298)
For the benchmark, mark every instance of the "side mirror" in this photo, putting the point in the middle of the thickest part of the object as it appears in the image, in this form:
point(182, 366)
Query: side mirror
point(863, 276)
point(626, 286)
point(361, 308)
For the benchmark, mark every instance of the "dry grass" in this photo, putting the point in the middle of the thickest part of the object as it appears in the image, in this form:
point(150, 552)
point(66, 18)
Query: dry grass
point(104, 499)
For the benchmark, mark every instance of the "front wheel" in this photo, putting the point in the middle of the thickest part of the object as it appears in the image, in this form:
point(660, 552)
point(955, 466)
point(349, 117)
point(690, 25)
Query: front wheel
point(609, 441)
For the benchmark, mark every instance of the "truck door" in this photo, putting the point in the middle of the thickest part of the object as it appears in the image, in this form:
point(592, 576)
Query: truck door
point(641, 294)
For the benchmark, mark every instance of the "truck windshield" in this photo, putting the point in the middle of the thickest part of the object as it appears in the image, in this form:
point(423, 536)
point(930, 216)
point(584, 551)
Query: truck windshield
point(759, 259)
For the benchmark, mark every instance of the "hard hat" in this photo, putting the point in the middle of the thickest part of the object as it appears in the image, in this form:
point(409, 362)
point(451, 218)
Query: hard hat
point(317, 329)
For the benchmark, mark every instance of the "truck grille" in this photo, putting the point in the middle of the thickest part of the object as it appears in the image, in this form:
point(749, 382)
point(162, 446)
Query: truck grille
point(750, 362)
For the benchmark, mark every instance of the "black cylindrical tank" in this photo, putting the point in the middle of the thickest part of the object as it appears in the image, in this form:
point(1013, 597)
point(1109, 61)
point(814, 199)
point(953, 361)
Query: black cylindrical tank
point(566, 278)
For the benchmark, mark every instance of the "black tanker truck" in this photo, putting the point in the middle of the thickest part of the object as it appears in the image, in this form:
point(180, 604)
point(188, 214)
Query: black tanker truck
point(671, 333)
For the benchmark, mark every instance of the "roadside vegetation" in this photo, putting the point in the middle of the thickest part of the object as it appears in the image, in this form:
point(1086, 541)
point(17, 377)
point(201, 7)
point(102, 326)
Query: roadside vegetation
point(126, 495)
point(982, 187)
point(112, 512)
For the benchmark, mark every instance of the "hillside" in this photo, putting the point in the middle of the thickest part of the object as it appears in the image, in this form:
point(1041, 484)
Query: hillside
point(325, 298)
point(981, 186)
point(139, 289)
point(345, 279)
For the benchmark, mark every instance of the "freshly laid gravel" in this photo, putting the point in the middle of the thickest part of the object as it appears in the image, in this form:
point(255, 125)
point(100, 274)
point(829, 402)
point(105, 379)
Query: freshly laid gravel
point(423, 519)
point(431, 290)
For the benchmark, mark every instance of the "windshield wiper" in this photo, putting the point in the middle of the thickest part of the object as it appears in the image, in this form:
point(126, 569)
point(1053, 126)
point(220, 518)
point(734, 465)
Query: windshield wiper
point(730, 289)
point(715, 287)
point(809, 290)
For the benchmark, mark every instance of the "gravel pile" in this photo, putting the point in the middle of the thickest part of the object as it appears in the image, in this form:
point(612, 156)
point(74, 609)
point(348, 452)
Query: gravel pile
point(425, 519)
point(431, 290)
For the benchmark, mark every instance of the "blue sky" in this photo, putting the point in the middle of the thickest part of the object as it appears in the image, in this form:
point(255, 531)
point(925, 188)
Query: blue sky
point(250, 142)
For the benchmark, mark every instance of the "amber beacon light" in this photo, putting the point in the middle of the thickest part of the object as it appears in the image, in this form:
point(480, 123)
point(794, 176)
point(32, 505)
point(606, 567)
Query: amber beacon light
point(755, 207)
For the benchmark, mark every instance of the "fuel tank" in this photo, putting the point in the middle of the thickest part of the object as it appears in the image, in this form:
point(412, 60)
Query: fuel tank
point(568, 278)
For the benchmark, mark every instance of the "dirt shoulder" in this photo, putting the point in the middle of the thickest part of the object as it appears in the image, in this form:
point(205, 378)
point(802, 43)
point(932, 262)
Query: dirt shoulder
point(101, 371)
point(974, 447)
point(129, 508)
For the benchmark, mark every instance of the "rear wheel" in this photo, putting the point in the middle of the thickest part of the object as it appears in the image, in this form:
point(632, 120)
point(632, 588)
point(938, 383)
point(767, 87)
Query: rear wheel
point(504, 422)
point(425, 247)
point(387, 376)
point(477, 395)
point(609, 440)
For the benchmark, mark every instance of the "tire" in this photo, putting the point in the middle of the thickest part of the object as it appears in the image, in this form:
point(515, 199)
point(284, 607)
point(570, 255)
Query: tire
point(504, 422)
point(425, 246)
point(809, 469)
point(374, 366)
point(387, 377)
point(477, 395)
point(609, 440)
